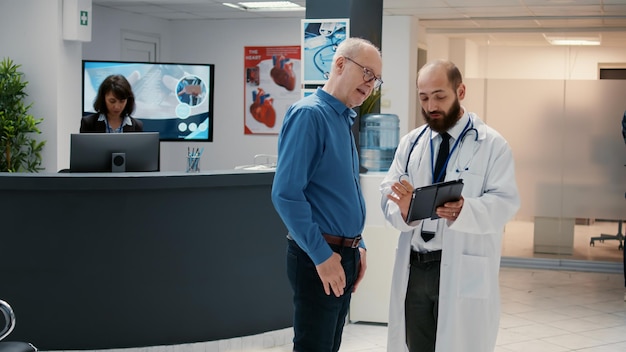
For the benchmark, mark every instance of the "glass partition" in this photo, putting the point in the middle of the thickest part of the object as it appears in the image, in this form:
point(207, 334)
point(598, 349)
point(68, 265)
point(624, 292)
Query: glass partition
point(570, 163)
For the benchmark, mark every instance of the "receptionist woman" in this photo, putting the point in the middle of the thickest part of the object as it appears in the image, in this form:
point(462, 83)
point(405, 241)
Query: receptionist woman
point(114, 104)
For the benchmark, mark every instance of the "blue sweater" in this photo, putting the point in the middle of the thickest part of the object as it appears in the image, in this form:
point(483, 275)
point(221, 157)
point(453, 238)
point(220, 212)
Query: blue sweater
point(316, 187)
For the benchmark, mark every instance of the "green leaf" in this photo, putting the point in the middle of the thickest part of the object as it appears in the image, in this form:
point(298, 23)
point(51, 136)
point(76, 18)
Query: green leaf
point(370, 103)
point(19, 150)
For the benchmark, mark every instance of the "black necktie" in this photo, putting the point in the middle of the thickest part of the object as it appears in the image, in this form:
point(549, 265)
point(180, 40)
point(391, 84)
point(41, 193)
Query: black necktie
point(444, 149)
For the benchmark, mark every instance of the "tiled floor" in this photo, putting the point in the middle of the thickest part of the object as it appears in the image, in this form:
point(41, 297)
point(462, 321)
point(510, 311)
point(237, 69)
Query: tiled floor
point(542, 311)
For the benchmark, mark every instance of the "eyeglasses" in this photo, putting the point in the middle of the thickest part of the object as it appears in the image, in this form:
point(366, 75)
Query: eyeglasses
point(368, 75)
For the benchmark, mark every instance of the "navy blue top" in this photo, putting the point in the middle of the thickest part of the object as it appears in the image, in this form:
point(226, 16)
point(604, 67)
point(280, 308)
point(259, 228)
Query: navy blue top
point(316, 187)
point(624, 126)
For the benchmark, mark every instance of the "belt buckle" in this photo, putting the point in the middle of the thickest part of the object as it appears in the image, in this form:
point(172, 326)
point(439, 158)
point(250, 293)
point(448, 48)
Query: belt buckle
point(425, 257)
point(355, 242)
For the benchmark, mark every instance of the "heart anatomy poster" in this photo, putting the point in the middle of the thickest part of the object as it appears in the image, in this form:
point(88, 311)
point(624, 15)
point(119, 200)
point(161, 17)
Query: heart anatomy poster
point(272, 84)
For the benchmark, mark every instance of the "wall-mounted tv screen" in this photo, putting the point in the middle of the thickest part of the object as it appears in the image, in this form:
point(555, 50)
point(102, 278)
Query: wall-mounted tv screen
point(173, 99)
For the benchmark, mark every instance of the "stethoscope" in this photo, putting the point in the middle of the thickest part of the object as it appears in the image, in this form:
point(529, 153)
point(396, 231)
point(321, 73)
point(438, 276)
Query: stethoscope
point(469, 127)
point(323, 56)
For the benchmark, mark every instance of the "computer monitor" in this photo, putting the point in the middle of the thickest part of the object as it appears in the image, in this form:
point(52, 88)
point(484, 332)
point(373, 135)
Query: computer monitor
point(114, 152)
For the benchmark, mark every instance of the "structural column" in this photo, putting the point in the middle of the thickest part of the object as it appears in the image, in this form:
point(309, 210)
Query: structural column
point(366, 16)
point(366, 21)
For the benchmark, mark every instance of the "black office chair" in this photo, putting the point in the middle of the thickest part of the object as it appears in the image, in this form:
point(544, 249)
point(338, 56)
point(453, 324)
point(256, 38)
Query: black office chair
point(9, 324)
point(619, 237)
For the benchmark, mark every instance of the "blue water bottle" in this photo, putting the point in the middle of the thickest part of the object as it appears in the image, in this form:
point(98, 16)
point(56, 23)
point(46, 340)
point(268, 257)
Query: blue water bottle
point(378, 140)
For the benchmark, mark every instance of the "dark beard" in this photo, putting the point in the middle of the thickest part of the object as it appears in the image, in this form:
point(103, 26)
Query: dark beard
point(449, 118)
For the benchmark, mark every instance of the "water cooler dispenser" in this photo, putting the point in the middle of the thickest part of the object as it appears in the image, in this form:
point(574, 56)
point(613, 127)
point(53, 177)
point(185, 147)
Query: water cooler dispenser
point(378, 140)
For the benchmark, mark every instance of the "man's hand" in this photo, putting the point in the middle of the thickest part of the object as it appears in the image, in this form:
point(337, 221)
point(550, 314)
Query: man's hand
point(451, 210)
point(402, 194)
point(193, 89)
point(332, 275)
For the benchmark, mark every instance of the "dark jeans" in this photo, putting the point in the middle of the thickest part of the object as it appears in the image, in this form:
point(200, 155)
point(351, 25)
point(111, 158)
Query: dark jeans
point(420, 307)
point(318, 319)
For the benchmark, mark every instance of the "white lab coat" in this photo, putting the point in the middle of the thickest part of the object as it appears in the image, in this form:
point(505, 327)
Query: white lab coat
point(469, 297)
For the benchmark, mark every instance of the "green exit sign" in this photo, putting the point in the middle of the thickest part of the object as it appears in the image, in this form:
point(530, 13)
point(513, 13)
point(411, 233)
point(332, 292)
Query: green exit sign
point(84, 18)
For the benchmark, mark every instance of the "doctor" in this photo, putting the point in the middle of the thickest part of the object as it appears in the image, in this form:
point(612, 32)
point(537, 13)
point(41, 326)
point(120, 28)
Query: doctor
point(445, 294)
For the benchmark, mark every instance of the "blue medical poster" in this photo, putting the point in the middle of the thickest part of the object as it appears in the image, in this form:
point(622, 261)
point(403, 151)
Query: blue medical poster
point(320, 38)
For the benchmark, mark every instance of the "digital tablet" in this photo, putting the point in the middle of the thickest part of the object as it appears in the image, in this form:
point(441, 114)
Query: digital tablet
point(426, 199)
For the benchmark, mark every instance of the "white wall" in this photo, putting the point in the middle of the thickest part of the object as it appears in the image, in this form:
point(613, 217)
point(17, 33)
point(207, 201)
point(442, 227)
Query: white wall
point(438, 47)
point(32, 38)
point(399, 47)
point(107, 27)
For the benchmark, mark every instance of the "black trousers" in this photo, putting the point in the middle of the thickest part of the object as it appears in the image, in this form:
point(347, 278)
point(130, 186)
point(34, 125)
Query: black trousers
point(319, 318)
point(421, 306)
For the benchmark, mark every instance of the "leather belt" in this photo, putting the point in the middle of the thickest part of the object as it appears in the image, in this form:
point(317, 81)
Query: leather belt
point(427, 257)
point(343, 241)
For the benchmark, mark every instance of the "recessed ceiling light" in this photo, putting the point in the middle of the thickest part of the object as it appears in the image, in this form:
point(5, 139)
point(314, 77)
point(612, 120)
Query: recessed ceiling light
point(573, 40)
point(231, 5)
point(266, 6)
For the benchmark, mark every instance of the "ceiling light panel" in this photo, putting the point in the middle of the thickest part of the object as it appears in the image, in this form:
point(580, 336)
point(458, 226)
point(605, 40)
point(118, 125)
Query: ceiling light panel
point(265, 6)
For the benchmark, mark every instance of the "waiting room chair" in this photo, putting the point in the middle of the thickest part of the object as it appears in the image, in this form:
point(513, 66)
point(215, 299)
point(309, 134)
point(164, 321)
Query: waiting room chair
point(9, 324)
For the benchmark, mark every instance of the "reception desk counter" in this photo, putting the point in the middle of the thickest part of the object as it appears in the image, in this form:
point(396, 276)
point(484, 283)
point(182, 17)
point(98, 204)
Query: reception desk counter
point(95, 261)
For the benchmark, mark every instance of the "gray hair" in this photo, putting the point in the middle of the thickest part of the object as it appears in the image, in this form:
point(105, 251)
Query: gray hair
point(351, 47)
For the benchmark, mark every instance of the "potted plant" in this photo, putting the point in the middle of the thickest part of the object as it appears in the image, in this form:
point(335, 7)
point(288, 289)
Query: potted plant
point(372, 102)
point(19, 150)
